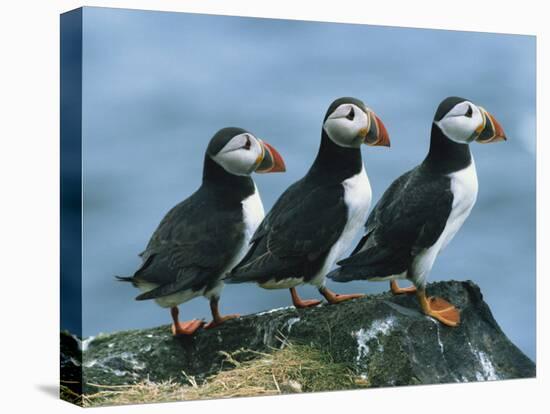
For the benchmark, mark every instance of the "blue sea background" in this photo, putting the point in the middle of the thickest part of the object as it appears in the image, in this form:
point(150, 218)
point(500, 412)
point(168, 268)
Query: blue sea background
point(157, 86)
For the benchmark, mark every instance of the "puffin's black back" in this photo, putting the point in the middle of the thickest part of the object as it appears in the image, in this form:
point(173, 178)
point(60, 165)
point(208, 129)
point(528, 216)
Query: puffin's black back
point(408, 218)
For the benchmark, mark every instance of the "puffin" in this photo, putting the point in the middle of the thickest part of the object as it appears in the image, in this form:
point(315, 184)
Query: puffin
point(423, 209)
point(316, 219)
point(204, 236)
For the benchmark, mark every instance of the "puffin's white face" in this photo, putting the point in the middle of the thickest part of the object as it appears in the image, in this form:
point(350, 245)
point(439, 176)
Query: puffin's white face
point(241, 155)
point(463, 123)
point(347, 125)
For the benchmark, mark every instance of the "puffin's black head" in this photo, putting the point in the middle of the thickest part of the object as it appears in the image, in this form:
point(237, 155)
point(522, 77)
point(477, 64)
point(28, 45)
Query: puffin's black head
point(240, 153)
point(463, 122)
point(349, 123)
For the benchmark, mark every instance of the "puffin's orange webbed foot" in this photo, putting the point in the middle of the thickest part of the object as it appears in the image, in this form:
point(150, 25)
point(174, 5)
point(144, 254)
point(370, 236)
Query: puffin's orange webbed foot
point(440, 309)
point(300, 303)
point(216, 322)
point(396, 290)
point(186, 328)
point(217, 318)
point(308, 303)
point(334, 298)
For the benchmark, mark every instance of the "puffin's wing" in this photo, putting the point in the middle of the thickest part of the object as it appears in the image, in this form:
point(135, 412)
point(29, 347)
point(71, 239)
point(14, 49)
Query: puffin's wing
point(192, 245)
point(283, 203)
point(177, 276)
point(409, 218)
point(258, 242)
point(391, 193)
point(416, 215)
point(311, 226)
point(302, 225)
point(388, 199)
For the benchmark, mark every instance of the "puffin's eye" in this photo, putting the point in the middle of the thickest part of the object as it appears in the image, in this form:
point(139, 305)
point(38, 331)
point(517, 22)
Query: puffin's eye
point(248, 143)
point(469, 112)
point(351, 114)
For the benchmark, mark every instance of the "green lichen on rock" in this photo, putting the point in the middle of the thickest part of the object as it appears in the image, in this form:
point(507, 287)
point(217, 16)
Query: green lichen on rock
point(383, 339)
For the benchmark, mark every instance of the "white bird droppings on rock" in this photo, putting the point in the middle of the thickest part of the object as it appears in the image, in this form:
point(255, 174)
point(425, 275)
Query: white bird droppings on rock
point(364, 336)
point(440, 343)
point(291, 322)
point(267, 312)
point(83, 345)
point(488, 371)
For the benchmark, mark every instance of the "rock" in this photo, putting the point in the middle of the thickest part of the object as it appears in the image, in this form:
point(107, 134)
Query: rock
point(384, 338)
point(71, 366)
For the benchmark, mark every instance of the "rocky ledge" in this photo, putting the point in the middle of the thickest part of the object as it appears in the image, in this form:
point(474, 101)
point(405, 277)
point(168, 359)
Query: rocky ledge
point(385, 339)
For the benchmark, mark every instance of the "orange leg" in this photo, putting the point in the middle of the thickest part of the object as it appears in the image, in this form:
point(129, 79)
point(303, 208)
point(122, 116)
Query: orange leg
point(183, 328)
point(299, 303)
point(334, 298)
point(439, 309)
point(396, 290)
point(217, 318)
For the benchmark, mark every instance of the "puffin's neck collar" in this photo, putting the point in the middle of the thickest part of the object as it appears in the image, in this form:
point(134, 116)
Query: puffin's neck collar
point(335, 161)
point(446, 156)
point(231, 186)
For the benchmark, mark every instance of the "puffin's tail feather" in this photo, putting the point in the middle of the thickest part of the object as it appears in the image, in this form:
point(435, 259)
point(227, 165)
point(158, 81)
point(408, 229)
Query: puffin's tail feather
point(349, 273)
point(344, 274)
point(372, 263)
point(241, 274)
point(163, 290)
point(124, 278)
point(231, 278)
point(254, 270)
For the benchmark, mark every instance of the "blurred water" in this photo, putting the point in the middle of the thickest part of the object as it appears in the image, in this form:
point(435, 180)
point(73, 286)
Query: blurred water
point(158, 85)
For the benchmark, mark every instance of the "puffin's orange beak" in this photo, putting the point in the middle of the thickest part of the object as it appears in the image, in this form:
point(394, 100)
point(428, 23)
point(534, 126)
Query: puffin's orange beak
point(377, 134)
point(270, 161)
point(491, 131)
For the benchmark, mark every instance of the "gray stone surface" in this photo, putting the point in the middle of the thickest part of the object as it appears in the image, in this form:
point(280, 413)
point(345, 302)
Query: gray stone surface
point(384, 338)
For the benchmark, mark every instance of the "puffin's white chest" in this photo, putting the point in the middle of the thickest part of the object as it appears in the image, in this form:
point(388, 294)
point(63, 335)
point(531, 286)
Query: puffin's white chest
point(357, 197)
point(464, 188)
point(253, 214)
